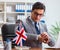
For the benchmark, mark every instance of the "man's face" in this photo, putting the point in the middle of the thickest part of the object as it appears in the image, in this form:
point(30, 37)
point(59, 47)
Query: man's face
point(37, 14)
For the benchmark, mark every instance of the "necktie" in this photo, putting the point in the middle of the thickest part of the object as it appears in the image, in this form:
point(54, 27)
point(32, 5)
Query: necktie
point(36, 27)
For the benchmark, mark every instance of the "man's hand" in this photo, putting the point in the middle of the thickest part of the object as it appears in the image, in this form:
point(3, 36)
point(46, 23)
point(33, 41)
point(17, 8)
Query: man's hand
point(44, 37)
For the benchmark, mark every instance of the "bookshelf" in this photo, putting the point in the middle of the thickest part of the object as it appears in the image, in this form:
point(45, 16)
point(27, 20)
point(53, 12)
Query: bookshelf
point(11, 11)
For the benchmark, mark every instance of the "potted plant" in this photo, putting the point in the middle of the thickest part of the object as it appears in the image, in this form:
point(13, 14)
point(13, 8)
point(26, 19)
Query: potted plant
point(55, 30)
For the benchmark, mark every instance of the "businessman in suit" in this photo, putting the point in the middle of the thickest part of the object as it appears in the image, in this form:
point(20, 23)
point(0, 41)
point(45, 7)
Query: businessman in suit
point(35, 29)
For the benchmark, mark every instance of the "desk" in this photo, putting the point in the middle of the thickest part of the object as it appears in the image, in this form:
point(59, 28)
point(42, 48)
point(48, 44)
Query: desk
point(41, 49)
point(37, 49)
point(28, 49)
point(52, 49)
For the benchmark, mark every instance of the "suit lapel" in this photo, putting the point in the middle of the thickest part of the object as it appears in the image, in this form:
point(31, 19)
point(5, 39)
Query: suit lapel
point(41, 28)
point(31, 26)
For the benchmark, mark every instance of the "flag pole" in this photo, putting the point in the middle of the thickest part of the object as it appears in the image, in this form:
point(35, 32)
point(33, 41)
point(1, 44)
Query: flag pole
point(21, 45)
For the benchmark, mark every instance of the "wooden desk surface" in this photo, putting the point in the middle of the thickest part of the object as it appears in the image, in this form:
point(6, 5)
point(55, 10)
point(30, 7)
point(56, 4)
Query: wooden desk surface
point(52, 49)
point(37, 49)
point(28, 49)
point(41, 49)
point(24, 49)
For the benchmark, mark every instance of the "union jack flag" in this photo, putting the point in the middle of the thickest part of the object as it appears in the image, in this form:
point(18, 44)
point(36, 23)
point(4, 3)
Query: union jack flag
point(21, 34)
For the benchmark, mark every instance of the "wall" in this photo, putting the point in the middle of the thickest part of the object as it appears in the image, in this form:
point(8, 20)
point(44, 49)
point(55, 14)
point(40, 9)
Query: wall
point(52, 13)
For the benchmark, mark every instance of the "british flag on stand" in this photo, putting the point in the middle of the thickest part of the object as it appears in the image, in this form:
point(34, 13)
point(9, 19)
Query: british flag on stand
point(21, 35)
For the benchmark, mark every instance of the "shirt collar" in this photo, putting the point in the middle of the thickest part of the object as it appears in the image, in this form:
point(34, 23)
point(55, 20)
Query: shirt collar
point(33, 21)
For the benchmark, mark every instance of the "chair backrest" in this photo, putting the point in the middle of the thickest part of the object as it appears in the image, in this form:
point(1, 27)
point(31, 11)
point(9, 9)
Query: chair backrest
point(8, 31)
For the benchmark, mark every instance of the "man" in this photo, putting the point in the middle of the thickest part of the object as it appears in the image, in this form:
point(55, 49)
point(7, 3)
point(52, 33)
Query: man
point(36, 31)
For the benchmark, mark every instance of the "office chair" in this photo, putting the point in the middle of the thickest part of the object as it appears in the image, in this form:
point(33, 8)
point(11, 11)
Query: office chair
point(8, 31)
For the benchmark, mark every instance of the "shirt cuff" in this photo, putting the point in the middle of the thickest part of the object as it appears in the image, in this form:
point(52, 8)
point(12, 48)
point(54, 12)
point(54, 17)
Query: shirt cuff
point(37, 37)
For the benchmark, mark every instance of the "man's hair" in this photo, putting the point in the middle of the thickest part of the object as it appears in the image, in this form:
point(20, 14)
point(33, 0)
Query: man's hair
point(38, 5)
